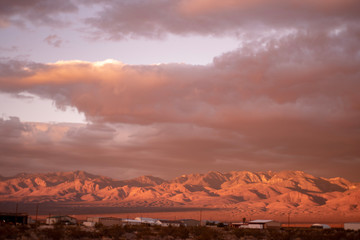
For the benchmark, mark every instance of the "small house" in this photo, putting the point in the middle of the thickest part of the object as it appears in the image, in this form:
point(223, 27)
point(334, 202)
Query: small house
point(320, 226)
point(239, 225)
point(190, 222)
point(66, 220)
point(106, 221)
point(167, 223)
point(262, 224)
point(14, 218)
point(150, 221)
point(126, 221)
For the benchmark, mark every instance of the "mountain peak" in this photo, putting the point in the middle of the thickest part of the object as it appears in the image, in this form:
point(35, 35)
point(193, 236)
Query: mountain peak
point(83, 175)
point(150, 180)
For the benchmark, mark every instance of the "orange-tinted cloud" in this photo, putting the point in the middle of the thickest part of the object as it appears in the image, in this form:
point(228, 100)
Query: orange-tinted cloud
point(292, 104)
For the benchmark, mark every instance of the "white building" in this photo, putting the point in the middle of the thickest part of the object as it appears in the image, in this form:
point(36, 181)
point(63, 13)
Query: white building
point(189, 222)
point(106, 221)
point(259, 224)
point(352, 226)
point(67, 220)
point(130, 222)
point(320, 226)
point(167, 223)
point(150, 221)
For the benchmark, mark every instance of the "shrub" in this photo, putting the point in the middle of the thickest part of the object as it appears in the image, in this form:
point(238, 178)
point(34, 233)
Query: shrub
point(205, 233)
point(143, 232)
point(78, 233)
point(55, 233)
point(8, 232)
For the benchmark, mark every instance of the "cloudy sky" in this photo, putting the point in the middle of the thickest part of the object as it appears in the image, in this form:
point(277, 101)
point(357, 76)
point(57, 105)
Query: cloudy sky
point(168, 87)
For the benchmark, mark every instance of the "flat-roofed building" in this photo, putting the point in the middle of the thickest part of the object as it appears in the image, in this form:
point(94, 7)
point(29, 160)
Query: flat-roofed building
point(352, 226)
point(130, 222)
point(66, 220)
point(151, 221)
point(106, 221)
point(167, 223)
point(320, 226)
point(13, 218)
point(239, 225)
point(260, 224)
point(190, 222)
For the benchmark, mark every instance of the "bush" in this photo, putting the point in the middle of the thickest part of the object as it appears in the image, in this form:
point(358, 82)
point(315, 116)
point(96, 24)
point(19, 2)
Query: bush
point(143, 232)
point(176, 232)
point(129, 228)
point(182, 232)
point(55, 233)
point(220, 225)
point(8, 232)
point(78, 233)
point(205, 233)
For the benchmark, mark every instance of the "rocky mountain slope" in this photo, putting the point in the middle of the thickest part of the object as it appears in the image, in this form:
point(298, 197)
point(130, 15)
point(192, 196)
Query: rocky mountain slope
point(279, 192)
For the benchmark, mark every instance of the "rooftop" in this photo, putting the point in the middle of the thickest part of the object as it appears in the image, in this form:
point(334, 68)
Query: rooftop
point(261, 221)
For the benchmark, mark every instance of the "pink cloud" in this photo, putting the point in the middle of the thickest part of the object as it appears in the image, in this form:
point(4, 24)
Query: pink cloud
point(293, 104)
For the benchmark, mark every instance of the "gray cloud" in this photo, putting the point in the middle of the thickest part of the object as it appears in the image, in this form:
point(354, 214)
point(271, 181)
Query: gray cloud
point(154, 19)
point(53, 40)
point(42, 12)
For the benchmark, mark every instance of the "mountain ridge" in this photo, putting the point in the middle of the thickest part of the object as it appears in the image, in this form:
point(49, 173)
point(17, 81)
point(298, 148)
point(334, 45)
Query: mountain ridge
point(277, 192)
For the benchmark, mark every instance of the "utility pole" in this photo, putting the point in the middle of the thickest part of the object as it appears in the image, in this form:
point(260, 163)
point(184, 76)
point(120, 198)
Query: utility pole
point(200, 216)
point(289, 219)
point(36, 215)
point(37, 211)
point(16, 212)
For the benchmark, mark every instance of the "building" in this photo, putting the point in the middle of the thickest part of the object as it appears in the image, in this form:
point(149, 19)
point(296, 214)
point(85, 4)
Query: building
point(150, 221)
point(239, 225)
point(66, 220)
point(106, 221)
point(190, 222)
point(167, 223)
point(258, 224)
point(211, 222)
point(352, 226)
point(126, 221)
point(13, 218)
point(320, 226)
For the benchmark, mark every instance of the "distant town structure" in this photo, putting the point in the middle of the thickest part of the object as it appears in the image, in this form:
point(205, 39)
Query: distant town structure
point(239, 224)
point(258, 224)
point(13, 218)
point(167, 223)
point(126, 221)
point(67, 220)
point(106, 221)
point(352, 226)
point(210, 222)
point(111, 221)
point(320, 226)
point(144, 220)
point(190, 222)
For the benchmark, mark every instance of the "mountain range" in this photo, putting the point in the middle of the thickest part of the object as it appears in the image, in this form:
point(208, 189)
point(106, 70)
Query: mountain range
point(242, 191)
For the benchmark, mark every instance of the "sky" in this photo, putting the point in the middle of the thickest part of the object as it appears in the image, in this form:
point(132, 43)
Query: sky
point(170, 87)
